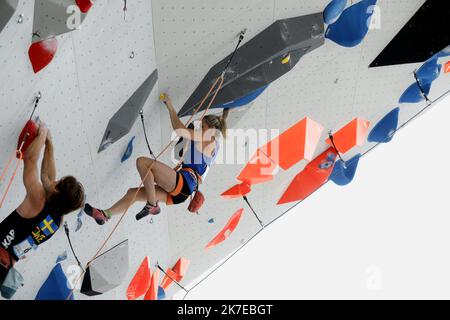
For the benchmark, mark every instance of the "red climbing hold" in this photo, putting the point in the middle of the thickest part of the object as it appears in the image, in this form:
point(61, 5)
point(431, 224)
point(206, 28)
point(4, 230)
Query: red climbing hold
point(315, 174)
point(227, 230)
point(28, 134)
point(42, 53)
point(258, 170)
point(352, 135)
point(141, 281)
point(238, 191)
point(297, 143)
point(152, 293)
point(84, 5)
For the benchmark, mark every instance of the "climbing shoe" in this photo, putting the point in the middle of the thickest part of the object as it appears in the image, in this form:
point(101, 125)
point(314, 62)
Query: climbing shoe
point(98, 215)
point(148, 210)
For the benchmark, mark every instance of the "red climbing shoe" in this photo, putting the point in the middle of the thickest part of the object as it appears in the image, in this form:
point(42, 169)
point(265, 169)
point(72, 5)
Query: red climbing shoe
point(99, 215)
point(148, 209)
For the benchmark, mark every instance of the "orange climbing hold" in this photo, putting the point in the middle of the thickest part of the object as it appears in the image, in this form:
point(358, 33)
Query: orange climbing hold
point(352, 135)
point(315, 174)
point(177, 272)
point(258, 170)
point(181, 267)
point(28, 134)
point(447, 67)
point(152, 293)
point(238, 191)
point(141, 281)
point(297, 143)
point(227, 230)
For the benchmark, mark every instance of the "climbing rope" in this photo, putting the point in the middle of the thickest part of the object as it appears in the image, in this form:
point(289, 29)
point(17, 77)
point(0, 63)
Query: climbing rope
point(66, 229)
point(216, 87)
point(17, 154)
point(145, 134)
point(330, 135)
point(254, 212)
point(173, 280)
point(422, 91)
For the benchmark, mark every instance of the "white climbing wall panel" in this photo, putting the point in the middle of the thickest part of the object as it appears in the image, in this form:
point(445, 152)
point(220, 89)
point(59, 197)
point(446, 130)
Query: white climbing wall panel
point(100, 65)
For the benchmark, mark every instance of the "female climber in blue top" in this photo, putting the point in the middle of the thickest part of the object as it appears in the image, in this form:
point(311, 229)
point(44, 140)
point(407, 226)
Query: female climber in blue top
point(163, 183)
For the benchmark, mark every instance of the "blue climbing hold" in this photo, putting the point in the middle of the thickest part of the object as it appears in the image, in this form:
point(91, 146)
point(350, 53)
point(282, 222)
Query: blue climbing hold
point(244, 100)
point(352, 26)
point(62, 257)
point(129, 151)
point(443, 53)
point(414, 95)
point(161, 293)
point(384, 131)
point(342, 173)
point(55, 287)
point(211, 220)
point(334, 10)
point(429, 71)
point(80, 216)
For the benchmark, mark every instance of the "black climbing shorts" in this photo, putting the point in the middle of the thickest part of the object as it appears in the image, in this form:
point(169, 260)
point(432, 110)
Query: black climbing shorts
point(184, 187)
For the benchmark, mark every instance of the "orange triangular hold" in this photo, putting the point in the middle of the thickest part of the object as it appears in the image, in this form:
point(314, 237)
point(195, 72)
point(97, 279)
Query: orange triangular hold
point(181, 267)
point(258, 170)
point(152, 293)
point(177, 273)
point(141, 281)
point(167, 281)
point(238, 191)
point(297, 143)
point(315, 174)
point(352, 135)
point(447, 67)
point(227, 230)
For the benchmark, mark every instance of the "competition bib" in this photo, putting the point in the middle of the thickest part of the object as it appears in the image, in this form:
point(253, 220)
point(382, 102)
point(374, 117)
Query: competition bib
point(25, 248)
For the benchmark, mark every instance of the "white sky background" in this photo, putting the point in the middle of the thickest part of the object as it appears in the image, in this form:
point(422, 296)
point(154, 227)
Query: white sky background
point(385, 236)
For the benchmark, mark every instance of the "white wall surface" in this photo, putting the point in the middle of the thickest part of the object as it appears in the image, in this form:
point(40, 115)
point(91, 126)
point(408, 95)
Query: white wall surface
point(385, 236)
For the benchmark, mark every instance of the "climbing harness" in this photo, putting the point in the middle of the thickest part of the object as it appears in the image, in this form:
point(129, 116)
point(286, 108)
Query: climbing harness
point(214, 90)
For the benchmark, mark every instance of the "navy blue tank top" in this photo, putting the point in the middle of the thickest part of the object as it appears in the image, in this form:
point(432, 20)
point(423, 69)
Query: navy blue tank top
point(19, 235)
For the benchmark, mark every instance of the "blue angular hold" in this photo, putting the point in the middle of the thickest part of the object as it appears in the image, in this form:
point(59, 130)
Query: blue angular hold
point(244, 100)
point(352, 26)
point(334, 10)
point(55, 287)
point(384, 131)
point(443, 53)
point(129, 151)
point(62, 257)
point(80, 216)
point(414, 95)
point(161, 293)
point(342, 174)
point(211, 220)
point(429, 71)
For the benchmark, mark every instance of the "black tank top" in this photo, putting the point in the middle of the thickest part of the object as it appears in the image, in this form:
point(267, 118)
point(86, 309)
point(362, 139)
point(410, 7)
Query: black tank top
point(19, 235)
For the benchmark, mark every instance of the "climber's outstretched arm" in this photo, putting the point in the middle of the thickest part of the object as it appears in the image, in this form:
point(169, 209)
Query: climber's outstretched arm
point(48, 168)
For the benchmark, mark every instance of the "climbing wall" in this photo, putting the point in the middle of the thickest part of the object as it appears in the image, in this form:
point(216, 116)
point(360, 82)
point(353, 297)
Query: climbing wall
point(101, 64)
